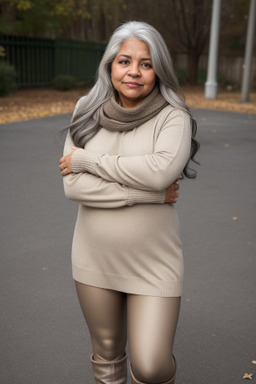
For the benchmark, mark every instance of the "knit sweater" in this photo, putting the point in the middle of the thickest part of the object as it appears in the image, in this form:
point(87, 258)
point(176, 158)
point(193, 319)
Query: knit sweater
point(126, 238)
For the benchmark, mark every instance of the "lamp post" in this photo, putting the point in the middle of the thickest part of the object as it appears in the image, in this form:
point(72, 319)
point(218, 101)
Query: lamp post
point(248, 53)
point(211, 85)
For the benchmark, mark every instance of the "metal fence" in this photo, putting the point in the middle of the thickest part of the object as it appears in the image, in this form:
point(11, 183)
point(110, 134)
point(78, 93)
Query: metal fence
point(38, 61)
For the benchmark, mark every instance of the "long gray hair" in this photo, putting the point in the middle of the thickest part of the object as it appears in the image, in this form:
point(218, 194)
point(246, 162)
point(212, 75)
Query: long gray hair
point(84, 123)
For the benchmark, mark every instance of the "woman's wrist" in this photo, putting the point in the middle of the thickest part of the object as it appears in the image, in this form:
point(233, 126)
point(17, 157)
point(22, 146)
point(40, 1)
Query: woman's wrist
point(137, 196)
point(82, 161)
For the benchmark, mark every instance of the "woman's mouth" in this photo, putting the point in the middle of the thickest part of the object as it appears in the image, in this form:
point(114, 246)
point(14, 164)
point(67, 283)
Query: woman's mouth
point(132, 85)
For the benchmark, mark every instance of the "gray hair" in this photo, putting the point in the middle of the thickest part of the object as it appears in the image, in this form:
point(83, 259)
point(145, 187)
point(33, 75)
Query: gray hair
point(84, 124)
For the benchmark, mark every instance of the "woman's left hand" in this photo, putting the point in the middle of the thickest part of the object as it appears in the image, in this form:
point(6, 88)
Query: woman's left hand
point(171, 193)
point(65, 163)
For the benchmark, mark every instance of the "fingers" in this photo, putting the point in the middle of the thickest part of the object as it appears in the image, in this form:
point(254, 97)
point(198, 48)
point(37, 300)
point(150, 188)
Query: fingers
point(172, 193)
point(172, 188)
point(174, 197)
point(65, 172)
point(65, 163)
point(62, 163)
point(64, 166)
point(175, 187)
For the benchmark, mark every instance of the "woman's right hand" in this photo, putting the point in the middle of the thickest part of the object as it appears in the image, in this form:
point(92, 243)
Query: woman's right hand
point(171, 193)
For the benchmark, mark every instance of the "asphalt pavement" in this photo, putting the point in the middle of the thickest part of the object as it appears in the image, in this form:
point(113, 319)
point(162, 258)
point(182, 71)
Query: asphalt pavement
point(44, 339)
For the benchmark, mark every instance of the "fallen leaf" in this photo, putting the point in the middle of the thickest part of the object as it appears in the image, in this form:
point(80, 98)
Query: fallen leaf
point(254, 362)
point(248, 376)
point(226, 145)
point(32, 102)
point(235, 218)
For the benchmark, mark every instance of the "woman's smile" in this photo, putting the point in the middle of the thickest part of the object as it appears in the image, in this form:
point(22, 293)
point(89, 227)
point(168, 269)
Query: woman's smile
point(131, 84)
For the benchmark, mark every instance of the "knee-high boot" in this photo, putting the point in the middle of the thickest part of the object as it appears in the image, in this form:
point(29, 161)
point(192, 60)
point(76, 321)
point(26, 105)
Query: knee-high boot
point(171, 381)
point(110, 372)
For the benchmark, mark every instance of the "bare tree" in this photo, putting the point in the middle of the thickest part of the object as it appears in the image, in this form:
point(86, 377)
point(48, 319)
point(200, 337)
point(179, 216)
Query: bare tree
point(99, 20)
point(189, 31)
point(184, 24)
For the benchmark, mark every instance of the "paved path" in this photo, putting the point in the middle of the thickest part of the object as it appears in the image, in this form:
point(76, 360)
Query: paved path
point(43, 336)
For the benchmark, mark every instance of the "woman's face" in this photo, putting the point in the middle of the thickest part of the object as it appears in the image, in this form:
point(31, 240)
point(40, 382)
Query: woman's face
point(132, 74)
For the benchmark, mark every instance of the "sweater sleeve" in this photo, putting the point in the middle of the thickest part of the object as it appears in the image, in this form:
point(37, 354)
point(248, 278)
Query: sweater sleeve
point(152, 172)
point(93, 191)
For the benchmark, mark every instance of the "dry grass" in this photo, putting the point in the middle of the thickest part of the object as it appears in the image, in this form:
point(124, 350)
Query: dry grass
point(226, 101)
point(28, 104)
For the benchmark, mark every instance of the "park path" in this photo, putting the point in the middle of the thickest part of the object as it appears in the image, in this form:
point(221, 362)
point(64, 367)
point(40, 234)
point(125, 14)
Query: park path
point(44, 339)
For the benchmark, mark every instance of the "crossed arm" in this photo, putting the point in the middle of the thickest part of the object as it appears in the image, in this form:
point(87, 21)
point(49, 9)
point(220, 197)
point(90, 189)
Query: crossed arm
point(112, 180)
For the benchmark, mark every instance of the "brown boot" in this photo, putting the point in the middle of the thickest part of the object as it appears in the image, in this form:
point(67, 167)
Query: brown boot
point(171, 381)
point(110, 372)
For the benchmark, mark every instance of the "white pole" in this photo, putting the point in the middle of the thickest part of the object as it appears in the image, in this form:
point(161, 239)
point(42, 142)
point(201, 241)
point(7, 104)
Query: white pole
point(211, 86)
point(248, 53)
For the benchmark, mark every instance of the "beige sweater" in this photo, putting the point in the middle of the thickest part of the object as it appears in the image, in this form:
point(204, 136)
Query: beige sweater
point(126, 238)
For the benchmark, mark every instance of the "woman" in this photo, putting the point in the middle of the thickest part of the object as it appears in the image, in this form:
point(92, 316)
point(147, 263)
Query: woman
point(129, 141)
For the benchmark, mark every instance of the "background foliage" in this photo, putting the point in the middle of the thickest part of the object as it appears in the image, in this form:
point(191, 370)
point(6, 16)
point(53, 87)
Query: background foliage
point(184, 24)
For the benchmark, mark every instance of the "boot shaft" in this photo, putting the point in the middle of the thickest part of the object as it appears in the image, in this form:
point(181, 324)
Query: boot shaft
point(110, 372)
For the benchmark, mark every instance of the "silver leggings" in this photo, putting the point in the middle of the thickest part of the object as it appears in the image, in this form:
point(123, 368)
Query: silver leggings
point(150, 323)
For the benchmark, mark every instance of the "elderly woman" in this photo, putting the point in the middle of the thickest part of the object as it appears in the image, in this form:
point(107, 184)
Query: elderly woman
point(130, 140)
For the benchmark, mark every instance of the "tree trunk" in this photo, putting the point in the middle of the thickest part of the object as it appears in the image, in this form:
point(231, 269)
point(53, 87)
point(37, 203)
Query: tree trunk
point(193, 61)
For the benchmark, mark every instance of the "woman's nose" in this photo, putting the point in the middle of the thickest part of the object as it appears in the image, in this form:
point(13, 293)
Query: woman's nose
point(134, 70)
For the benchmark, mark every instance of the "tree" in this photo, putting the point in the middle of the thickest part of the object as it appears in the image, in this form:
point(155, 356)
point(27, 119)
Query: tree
point(103, 17)
point(191, 23)
point(35, 18)
point(190, 29)
point(184, 24)
point(233, 30)
point(78, 19)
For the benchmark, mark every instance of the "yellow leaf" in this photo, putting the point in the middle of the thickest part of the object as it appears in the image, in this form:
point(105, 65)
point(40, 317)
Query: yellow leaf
point(254, 362)
point(2, 51)
point(248, 376)
point(24, 5)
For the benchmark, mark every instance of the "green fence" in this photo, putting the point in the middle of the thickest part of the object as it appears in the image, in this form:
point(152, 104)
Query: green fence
point(38, 61)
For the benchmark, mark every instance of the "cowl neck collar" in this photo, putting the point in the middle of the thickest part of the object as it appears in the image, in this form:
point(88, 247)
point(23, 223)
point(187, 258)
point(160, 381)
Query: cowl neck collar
point(114, 117)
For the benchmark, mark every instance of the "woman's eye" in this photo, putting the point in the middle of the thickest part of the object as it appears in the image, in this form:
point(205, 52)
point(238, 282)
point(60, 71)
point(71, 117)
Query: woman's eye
point(123, 62)
point(146, 65)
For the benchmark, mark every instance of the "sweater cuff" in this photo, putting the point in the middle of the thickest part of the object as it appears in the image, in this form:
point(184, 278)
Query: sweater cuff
point(136, 196)
point(83, 161)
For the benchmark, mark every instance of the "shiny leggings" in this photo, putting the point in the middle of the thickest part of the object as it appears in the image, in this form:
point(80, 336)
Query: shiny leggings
point(149, 321)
